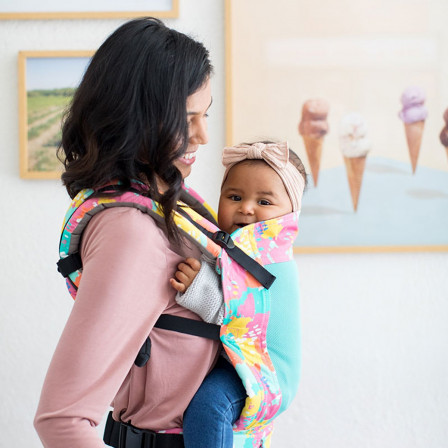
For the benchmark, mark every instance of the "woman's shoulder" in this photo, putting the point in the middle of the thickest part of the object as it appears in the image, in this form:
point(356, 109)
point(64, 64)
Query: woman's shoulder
point(124, 226)
point(124, 220)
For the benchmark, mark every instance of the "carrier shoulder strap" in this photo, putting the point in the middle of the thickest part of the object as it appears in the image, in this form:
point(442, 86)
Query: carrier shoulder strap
point(201, 230)
point(90, 202)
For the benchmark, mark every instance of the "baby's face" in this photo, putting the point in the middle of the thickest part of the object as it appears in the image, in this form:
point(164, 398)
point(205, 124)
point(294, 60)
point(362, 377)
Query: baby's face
point(251, 193)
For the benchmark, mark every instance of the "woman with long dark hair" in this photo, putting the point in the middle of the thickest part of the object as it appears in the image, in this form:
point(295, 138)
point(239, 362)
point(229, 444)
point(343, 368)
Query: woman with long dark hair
point(139, 114)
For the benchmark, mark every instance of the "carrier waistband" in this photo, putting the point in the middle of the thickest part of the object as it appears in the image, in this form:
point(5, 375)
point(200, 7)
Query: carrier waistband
point(124, 435)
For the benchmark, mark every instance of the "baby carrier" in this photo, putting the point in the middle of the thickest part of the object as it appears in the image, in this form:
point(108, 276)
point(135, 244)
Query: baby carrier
point(260, 331)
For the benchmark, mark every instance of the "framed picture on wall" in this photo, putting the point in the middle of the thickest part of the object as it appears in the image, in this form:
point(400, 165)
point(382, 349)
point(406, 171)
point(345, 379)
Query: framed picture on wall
point(355, 76)
point(47, 82)
point(85, 9)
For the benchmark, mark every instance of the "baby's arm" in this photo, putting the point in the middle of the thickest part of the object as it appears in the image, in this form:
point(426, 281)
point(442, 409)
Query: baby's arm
point(185, 274)
point(199, 289)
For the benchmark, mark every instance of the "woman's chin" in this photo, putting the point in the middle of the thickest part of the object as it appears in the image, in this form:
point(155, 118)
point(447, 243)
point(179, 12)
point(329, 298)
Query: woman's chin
point(184, 166)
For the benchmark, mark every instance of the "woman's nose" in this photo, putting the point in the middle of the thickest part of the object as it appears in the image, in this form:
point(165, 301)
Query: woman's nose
point(199, 132)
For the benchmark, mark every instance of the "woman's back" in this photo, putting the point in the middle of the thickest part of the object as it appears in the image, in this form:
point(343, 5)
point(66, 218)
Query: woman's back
point(127, 261)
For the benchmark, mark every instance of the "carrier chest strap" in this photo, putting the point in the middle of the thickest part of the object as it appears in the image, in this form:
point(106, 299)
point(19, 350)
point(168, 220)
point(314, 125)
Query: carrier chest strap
point(180, 325)
point(188, 326)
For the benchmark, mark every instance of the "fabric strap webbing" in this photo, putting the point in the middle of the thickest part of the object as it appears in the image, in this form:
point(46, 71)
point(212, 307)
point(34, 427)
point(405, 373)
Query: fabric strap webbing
point(188, 326)
point(180, 325)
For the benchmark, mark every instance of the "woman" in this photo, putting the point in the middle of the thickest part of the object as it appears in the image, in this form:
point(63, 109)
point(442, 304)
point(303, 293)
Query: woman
point(139, 113)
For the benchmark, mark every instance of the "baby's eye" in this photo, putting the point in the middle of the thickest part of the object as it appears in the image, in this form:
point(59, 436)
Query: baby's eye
point(264, 202)
point(235, 198)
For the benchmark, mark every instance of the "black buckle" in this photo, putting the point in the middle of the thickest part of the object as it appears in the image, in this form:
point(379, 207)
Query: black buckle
point(125, 435)
point(149, 439)
point(223, 239)
point(132, 437)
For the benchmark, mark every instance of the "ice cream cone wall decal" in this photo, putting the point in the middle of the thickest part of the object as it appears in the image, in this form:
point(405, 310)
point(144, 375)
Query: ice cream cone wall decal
point(413, 114)
point(444, 132)
point(354, 146)
point(313, 127)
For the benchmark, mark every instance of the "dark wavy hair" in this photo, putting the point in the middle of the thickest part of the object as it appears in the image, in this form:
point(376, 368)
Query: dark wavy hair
point(128, 116)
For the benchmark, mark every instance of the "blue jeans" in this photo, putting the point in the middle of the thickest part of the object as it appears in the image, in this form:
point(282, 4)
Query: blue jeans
point(214, 409)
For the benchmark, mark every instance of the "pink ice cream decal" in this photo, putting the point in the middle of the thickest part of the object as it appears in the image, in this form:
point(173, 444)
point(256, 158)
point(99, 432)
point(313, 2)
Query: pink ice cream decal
point(413, 114)
point(413, 101)
point(313, 127)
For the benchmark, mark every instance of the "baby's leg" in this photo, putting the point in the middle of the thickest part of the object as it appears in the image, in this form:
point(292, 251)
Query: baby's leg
point(214, 409)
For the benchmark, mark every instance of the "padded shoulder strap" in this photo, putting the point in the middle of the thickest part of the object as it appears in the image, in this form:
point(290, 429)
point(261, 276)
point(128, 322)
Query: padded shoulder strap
point(89, 202)
point(188, 218)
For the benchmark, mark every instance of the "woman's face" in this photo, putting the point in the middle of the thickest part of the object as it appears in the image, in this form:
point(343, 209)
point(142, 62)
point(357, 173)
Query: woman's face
point(197, 106)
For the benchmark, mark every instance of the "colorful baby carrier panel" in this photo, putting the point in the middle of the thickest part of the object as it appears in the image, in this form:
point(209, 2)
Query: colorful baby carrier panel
point(260, 331)
point(260, 328)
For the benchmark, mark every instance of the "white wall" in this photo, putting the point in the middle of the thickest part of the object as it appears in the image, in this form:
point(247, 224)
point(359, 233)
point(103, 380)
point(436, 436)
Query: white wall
point(374, 325)
point(375, 339)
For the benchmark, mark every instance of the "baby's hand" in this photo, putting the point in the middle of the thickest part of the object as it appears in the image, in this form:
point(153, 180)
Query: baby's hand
point(185, 274)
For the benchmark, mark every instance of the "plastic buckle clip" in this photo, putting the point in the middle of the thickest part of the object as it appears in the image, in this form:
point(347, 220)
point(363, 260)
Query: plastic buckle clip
point(149, 439)
point(223, 239)
point(132, 437)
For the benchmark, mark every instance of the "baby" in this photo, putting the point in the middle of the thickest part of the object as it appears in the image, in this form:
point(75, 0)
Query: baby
point(262, 181)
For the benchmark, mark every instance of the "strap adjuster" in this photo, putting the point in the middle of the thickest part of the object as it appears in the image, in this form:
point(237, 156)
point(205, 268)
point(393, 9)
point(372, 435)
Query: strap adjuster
point(223, 239)
point(69, 264)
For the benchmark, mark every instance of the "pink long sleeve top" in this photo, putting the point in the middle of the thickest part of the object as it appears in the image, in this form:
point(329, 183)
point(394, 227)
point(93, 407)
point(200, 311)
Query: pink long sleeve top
point(127, 263)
